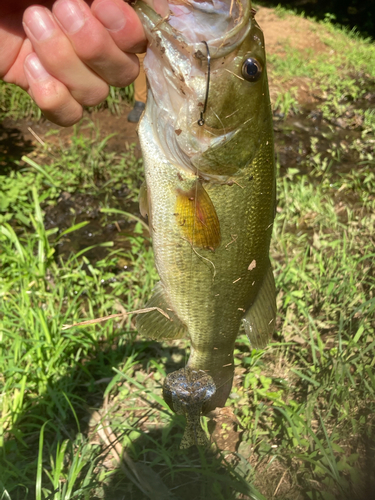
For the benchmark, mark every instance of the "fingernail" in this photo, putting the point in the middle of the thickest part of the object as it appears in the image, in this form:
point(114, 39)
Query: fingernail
point(35, 68)
point(70, 15)
point(38, 21)
point(110, 15)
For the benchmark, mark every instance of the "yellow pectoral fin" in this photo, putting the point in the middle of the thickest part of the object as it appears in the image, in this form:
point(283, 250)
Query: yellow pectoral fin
point(197, 217)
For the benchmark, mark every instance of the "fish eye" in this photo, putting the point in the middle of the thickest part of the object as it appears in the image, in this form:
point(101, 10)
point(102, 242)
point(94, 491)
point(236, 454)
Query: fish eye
point(251, 69)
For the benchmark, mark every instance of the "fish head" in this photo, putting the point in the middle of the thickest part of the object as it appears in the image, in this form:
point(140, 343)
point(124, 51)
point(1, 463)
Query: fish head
point(206, 67)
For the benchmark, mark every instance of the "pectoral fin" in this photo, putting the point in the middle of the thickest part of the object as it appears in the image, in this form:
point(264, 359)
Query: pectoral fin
point(197, 217)
point(156, 326)
point(259, 320)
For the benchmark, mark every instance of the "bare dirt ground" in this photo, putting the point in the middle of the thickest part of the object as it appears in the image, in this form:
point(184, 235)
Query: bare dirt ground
point(299, 33)
point(296, 33)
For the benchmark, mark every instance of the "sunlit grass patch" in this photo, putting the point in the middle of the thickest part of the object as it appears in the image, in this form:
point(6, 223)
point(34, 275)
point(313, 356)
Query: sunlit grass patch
point(45, 369)
point(313, 393)
point(46, 372)
point(16, 103)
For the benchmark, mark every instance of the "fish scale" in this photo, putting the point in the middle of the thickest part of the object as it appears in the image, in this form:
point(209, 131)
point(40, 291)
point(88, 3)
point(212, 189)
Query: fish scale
point(211, 201)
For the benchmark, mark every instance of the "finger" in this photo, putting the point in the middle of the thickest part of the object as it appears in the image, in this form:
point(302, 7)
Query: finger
point(59, 59)
point(122, 23)
point(50, 95)
point(93, 44)
point(15, 71)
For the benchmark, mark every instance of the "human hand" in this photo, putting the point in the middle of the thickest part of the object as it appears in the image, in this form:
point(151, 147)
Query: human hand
point(67, 57)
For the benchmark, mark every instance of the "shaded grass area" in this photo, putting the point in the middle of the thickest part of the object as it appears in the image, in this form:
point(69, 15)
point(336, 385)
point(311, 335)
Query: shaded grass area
point(74, 400)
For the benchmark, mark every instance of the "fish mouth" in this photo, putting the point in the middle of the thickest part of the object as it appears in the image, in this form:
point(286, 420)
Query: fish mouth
point(177, 69)
point(229, 17)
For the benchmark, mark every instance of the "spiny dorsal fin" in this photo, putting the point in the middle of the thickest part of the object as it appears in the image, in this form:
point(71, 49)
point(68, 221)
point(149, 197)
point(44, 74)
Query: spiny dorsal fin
point(197, 217)
point(156, 326)
point(259, 319)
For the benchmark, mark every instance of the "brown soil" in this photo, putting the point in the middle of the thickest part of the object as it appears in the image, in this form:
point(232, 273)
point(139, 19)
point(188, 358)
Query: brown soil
point(298, 33)
point(30, 133)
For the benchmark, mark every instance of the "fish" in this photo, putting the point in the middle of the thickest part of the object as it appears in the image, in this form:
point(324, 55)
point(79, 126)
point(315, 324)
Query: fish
point(207, 142)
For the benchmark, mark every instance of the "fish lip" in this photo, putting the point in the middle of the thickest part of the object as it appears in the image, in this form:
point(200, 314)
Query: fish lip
point(219, 47)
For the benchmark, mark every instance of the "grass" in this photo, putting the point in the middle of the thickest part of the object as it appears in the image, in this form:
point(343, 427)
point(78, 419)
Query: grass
point(15, 103)
point(73, 400)
point(338, 75)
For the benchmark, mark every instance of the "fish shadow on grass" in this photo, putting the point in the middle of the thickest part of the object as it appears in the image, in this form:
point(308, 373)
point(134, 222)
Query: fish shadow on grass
point(168, 473)
point(153, 465)
point(65, 408)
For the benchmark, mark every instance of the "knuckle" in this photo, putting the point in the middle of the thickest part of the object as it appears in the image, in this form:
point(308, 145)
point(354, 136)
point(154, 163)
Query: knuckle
point(49, 96)
point(125, 74)
point(67, 119)
point(66, 116)
point(94, 96)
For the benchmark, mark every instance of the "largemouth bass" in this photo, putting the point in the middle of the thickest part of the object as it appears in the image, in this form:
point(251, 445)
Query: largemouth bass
point(207, 143)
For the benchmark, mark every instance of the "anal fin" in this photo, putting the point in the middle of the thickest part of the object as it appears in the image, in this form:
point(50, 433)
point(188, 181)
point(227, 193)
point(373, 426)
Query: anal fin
point(155, 325)
point(259, 319)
